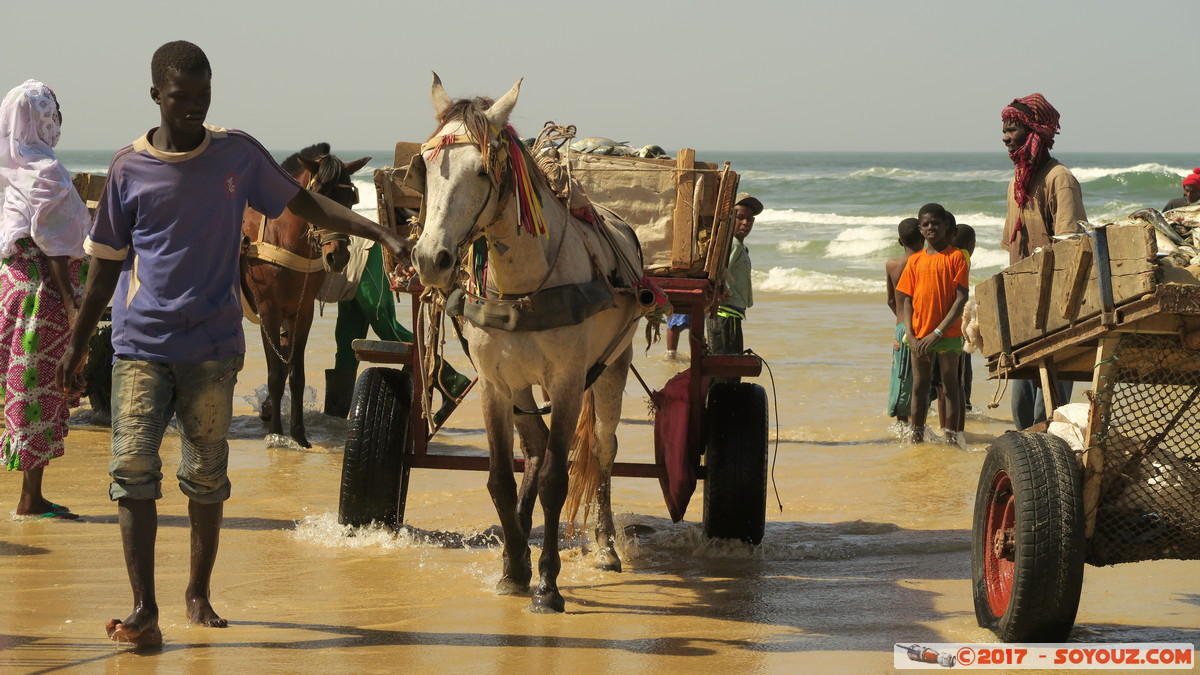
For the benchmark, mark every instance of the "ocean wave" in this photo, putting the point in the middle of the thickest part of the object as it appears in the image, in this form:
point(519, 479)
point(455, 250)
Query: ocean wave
point(988, 258)
point(771, 218)
point(1089, 174)
point(978, 220)
point(792, 280)
point(860, 242)
point(792, 216)
point(794, 246)
point(920, 176)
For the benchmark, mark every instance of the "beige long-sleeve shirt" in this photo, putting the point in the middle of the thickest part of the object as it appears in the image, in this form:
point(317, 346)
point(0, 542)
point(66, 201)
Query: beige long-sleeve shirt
point(1055, 206)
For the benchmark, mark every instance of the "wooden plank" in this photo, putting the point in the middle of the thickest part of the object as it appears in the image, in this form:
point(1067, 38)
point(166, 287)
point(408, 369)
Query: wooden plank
point(1077, 279)
point(1093, 454)
point(1045, 286)
point(989, 322)
point(382, 351)
point(404, 153)
point(685, 210)
point(1050, 393)
point(718, 252)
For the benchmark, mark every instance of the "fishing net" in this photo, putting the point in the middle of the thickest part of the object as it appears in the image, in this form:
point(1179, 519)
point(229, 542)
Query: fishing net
point(1149, 506)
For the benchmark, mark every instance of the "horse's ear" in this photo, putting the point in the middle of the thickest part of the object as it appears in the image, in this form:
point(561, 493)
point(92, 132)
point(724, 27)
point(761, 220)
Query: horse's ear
point(357, 164)
point(310, 165)
point(501, 109)
point(441, 100)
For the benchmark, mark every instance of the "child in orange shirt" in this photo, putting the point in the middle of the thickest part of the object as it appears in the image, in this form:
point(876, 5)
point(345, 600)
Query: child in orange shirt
point(933, 290)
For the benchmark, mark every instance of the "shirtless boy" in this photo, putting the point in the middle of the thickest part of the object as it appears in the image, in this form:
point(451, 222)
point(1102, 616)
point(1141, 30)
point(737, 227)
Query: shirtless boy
point(166, 239)
point(900, 390)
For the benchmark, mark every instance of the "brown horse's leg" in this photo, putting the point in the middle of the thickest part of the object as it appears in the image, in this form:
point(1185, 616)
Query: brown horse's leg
point(608, 392)
point(552, 488)
point(533, 434)
point(276, 374)
point(498, 420)
point(300, 326)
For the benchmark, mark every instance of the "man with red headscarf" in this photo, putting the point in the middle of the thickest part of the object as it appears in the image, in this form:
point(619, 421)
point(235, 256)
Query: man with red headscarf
point(1044, 199)
point(1191, 191)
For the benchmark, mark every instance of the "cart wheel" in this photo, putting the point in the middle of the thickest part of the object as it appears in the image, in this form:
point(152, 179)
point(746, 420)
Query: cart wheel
point(735, 485)
point(375, 465)
point(1028, 547)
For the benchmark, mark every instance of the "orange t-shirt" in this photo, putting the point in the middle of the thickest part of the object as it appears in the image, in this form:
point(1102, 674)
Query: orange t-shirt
point(932, 281)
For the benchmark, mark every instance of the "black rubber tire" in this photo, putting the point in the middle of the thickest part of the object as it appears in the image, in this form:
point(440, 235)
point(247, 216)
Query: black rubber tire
point(1033, 484)
point(735, 482)
point(376, 463)
point(98, 372)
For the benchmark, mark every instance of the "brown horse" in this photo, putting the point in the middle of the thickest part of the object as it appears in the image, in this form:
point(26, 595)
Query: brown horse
point(284, 263)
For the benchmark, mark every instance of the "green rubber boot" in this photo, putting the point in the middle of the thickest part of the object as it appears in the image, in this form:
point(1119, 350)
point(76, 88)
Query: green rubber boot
point(453, 385)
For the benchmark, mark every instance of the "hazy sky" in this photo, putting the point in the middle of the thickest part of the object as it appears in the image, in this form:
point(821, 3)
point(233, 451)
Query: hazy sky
point(734, 75)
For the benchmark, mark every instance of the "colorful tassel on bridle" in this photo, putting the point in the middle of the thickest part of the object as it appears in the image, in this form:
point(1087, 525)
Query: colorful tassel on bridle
point(529, 202)
point(445, 141)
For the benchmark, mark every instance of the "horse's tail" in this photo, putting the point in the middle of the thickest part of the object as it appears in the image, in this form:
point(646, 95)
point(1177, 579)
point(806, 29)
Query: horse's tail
point(583, 476)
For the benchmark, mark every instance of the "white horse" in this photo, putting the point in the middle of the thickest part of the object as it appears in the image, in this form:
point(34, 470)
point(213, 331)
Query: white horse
point(471, 165)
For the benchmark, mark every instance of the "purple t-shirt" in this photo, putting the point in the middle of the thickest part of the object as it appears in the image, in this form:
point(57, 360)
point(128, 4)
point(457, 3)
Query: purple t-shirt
point(176, 221)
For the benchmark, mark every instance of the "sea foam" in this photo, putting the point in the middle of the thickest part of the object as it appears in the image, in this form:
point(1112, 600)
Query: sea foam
point(791, 280)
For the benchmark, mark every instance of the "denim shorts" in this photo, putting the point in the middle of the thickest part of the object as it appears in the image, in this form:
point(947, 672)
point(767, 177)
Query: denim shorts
point(145, 395)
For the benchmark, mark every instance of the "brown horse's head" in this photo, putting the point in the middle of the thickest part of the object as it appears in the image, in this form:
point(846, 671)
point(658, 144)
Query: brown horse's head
point(329, 176)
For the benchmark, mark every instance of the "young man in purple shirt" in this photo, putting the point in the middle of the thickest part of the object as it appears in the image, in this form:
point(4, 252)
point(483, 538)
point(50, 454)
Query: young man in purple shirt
point(166, 240)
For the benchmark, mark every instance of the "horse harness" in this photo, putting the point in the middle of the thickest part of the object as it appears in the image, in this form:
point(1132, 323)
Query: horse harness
point(277, 255)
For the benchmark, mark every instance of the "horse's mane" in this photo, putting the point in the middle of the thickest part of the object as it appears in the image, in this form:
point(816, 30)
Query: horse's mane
point(471, 111)
point(327, 172)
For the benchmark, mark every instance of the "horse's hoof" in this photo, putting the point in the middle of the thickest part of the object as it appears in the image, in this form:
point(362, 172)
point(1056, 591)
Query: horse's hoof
point(302, 441)
point(611, 565)
point(548, 603)
point(510, 586)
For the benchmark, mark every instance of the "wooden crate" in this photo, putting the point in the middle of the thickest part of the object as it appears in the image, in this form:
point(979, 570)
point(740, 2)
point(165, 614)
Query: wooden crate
point(1057, 287)
point(90, 187)
point(390, 192)
point(681, 209)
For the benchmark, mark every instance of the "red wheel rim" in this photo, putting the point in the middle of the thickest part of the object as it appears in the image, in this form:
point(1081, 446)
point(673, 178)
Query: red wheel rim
point(998, 566)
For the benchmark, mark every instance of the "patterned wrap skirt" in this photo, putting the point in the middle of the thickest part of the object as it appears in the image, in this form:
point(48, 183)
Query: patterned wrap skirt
point(33, 337)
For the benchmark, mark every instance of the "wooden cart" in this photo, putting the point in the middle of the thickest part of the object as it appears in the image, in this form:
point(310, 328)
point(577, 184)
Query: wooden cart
point(1098, 308)
point(683, 213)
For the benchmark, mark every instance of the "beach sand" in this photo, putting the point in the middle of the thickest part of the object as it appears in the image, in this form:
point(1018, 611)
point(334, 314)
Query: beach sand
point(872, 546)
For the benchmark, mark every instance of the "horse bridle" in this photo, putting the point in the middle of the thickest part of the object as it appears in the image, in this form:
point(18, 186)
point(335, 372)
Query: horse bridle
point(496, 186)
point(349, 190)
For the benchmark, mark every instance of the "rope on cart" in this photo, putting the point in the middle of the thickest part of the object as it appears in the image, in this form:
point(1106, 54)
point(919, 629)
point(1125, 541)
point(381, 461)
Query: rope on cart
point(1006, 362)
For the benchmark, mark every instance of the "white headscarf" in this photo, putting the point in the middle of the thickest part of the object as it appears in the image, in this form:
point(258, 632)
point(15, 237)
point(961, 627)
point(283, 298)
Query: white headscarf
point(39, 199)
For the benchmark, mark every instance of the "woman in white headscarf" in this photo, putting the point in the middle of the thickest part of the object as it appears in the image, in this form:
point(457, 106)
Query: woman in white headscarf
point(43, 223)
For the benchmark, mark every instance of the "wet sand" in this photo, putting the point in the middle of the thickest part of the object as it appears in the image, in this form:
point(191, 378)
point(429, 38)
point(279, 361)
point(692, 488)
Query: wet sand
point(872, 547)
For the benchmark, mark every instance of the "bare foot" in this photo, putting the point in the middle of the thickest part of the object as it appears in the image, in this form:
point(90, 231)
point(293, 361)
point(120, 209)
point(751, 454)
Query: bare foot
point(140, 629)
point(201, 613)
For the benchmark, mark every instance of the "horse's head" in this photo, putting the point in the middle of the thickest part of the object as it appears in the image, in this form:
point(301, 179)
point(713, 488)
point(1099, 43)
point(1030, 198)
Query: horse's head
point(331, 177)
point(462, 179)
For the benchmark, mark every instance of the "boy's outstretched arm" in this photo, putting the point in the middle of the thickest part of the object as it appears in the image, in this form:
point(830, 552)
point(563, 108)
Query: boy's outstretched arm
point(101, 282)
point(329, 215)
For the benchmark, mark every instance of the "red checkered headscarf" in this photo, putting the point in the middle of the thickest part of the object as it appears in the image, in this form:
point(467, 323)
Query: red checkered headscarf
point(1036, 113)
